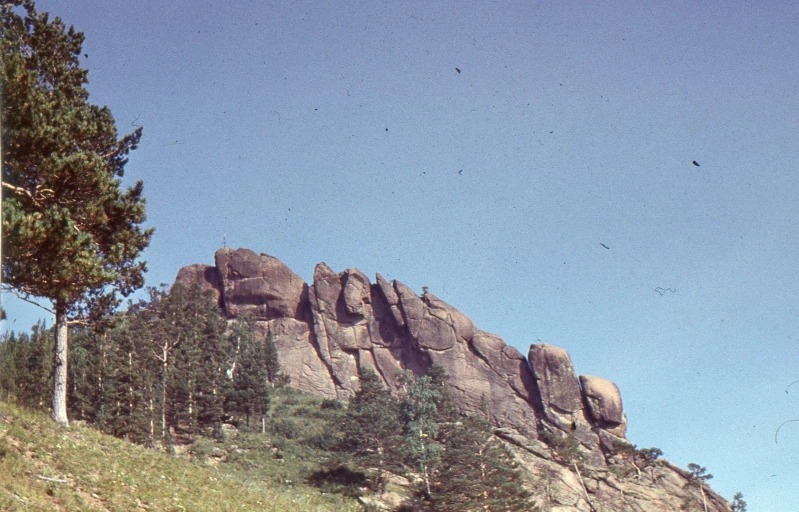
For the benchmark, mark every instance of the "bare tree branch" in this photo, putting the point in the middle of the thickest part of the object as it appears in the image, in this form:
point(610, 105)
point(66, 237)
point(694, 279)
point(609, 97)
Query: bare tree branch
point(57, 480)
point(25, 297)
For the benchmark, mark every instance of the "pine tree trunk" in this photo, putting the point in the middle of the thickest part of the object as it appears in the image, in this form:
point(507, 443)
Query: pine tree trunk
point(585, 489)
point(59, 414)
point(152, 421)
point(164, 371)
point(426, 483)
point(704, 501)
point(130, 384)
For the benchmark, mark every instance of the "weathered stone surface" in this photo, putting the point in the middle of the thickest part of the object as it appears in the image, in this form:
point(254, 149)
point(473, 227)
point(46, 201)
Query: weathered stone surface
point(412, 308)
point(554, 374)
point(340, 325)
point(509, 363)
point(476, 386)
point(603, 400)
point(357, 292)
point(462, 326)
point(206, 276)
point(533, 446)
point(299, 359)
point(392, 299)
point(260, 285)
point(337, 337)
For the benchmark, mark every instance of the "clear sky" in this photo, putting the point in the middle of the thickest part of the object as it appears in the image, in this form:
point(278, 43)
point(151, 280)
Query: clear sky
point(529, 162)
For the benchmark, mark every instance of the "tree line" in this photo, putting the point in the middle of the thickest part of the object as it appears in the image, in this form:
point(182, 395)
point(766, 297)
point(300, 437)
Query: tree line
point(168, 366)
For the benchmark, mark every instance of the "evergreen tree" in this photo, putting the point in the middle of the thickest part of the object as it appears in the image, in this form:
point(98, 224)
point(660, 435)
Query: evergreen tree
point(200, 380)
point(697, 476)
point(184, 331)
point(478, 473)
point(371, 430)
point(25, 368)
point(738, 503)
point(446, 410)
point(70, 235)
point(250, 387)
point(85, 374)
point(126, 379)
point(271, 361)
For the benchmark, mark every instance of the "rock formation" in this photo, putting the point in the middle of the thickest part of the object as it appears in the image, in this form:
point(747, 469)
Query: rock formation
point(329, 331)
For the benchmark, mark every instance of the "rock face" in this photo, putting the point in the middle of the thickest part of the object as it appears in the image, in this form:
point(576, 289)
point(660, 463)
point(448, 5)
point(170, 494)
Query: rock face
point(330, 331)
point(342, 323)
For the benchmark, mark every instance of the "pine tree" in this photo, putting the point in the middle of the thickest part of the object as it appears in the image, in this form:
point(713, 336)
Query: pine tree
point(738, 503)
point(26, 369)
point(184, 331)
point(697, 476)
point(126, 378)
point(250, 388)
point(478, 473)
point(271, 361)
point(371, 428)
point(85, 373)
point(199, 381)
point(70, 235)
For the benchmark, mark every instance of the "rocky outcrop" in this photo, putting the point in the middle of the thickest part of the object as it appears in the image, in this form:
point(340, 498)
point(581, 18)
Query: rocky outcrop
point(342, 323)
point(329, 332)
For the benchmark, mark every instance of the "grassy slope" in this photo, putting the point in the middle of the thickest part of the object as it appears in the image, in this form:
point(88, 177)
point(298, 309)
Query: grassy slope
point(46, 467)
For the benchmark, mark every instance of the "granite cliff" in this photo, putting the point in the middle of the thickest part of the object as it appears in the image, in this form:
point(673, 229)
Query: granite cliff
point(342, 323)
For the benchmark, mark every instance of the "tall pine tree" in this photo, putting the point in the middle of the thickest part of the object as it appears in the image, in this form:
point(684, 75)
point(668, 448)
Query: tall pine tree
point(371, 427)
point(478, 473)
point(250, 386)
point(70, 234)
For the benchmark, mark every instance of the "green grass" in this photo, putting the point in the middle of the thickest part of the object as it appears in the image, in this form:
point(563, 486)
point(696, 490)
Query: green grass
point(47, 467)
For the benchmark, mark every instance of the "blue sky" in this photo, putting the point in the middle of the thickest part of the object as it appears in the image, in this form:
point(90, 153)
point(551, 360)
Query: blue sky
point(342, 132)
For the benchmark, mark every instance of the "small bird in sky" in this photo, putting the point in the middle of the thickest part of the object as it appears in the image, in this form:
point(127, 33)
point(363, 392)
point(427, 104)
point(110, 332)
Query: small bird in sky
point(603, 245)
point(696, 164)
point(458, 70)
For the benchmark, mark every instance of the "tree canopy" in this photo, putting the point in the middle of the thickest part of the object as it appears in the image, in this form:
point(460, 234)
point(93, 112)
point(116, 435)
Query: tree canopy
point(70, 234)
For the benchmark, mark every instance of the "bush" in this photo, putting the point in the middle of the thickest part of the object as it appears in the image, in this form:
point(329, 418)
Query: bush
point(331, 403)
point(339, 479)
point(284, 427)
point(326, 440)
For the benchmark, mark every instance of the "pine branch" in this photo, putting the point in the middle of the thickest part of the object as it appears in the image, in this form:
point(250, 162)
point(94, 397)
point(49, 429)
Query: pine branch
point(24, 296)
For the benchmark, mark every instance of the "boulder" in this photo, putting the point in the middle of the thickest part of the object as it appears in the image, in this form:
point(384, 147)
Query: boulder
point(412, 308)
point(509, 363)
point(206, 276)
point(260, 285)
point(603, 400)
point(462, 326)
point(554, 374)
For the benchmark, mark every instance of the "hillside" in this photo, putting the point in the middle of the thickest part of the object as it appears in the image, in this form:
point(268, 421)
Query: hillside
point(46, 467)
